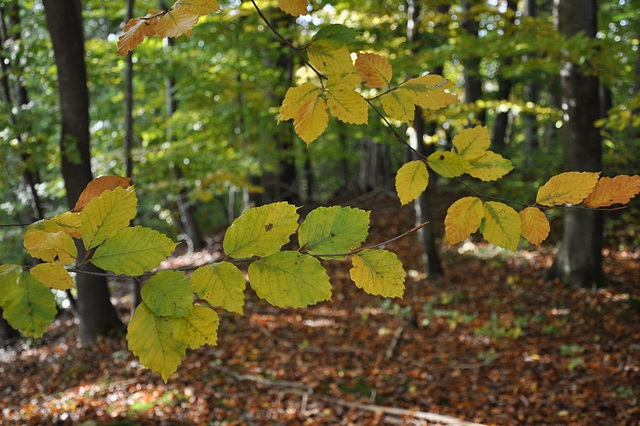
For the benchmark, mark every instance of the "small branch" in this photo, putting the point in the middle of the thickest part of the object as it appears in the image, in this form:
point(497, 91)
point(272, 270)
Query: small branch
point(390, 127)
point(16, 225)
point(393, 344)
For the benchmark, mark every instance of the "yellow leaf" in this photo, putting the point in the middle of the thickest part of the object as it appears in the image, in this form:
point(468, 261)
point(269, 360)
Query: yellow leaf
point(345, 103)
point(616, 190)
point(97, 187)
point(567, 188)
point(295, 98)
point(53, 276)
point(428, 92)
point(378, 272)
point(448, 164)
point(198, 328)
point(70, 223)
point(463, 219)
point(502, 225)
point(105, 215)
point(411, 181)
point(200, 7)
point(472, 143)
point(329, 57)
point(535, 225)
point(311, 119)
point(490, 166)
point(294, 7)
point(399, 104)
point(375, 70)
point(47, 241)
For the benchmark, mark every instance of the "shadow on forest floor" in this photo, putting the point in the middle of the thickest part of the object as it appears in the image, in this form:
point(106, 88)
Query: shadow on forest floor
point(491, 343)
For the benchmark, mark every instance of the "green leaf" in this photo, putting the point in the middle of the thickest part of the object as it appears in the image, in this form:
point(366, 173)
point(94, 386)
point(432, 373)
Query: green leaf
point(261, 231)
point(336, 33)
point(106, 214)
point(472, 143)
point(448, 164)
point(48, 241)
point(199, 328)
point(168, 294)
point(151, 339)
point(489, 166)
point(289, 278)
point(9, 276)
point(32, 306)
point(333, 230)
point(411, 181)
point(221, 284)
point(378, 272)
point(132, 251)
point(501, 225)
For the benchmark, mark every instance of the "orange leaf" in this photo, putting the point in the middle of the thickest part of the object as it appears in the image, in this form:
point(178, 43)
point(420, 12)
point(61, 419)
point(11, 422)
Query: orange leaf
point(567, 188)
point(176, 22)
point(137, 29)
point(97, 187)
point(535, 225)
point(375, 70)
point(294, 7)
point(610, 191)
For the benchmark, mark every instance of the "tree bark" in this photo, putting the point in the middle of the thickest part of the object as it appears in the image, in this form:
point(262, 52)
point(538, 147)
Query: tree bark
point(579, 260)
point(471, 63)
point(96, 314)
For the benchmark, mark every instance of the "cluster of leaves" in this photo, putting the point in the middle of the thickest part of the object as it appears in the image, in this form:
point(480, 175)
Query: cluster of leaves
point(170, 318)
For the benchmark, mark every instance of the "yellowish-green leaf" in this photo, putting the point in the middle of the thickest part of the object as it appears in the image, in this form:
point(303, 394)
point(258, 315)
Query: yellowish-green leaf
point(617, 190)
point(463, 219)
point(294, 7)
point(375, 70)
point(428, 92)
point(501, 225)
point(535, 225)
point(48, 241)
point(200, 7)
point(106, 214)
point(448, 164)
point(490, 166)
point(54, 276)
point(199, 328)
point(295, 98)
point(333, 230)
point(132, 251)
point(32, 306)
point(97, 186)
point(9, 276)
point(472, 143)
point(311, 120)
point(330, 57)
point(70, 223)
point(221, 284)
point(378, 272)
point(411, 181)
point(261, 231)
point(290, 279)
point(150, 337)
point(399, 104)
point(567, 188)
point(346, 104)
point(168, 294)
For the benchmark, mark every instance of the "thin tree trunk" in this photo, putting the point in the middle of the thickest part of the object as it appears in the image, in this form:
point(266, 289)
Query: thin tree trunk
point(472, 78)
point(96, 314)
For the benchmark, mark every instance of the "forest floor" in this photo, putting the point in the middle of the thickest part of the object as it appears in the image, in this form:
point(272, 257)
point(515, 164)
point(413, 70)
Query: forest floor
point(492, 342)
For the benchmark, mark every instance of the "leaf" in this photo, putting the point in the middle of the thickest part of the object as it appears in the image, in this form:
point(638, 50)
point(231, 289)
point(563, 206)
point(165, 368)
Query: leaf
point(151, 339)
point(463, 219)
point(9, 276)
point(198, 328)
point(53, 276)
point(427, 91)
point(375, 70)
point(32, 306)
point(336, 33)
point(168, 294)
point(411, 181)
point(472, 143)
point(183, 16)
point(137, 29)
point(399, 104)
point(290, 279)
point(617, 190)
point(311, 120)
point(330, 57)
point(106, 214)
point(535, 225)
point(96, 187)
point(378, 272)
point(261, 231)
point(47, 241)
point(200, 7)
point(221, 284)
point(448, 164)
point(346, 104)
point(70, 223)
point(132, 251)
point(294, 7)
point(333, 230)
point(490, 166)
point(295, 98)
point(501, 225)
point(567, 188)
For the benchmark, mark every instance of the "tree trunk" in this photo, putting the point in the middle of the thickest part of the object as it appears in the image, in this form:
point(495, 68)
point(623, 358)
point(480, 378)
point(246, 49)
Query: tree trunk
point(531, 94)
point(471, 63)
point(96, 314)
point(579, 260)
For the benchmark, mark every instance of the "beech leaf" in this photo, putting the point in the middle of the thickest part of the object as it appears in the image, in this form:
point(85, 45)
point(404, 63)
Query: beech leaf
point(330, 57)
point(463, 219)
point(333, 230)
point(375, 70)
point(221, 284)
point(106, 214)
point(168, 294)
point(489, 166)
point(311, 120)
point(427, 91)
point(567, 188)
point(32, 306)
point(378, 272)
point(294, 7)
point(411, 181)
point(97, 186)
point(535, 225)
point(472, 143)
point(48, 241)
point(198, 328)
point(448, 164)
point(53, 276)
point(501, 225)
point(617, 190)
